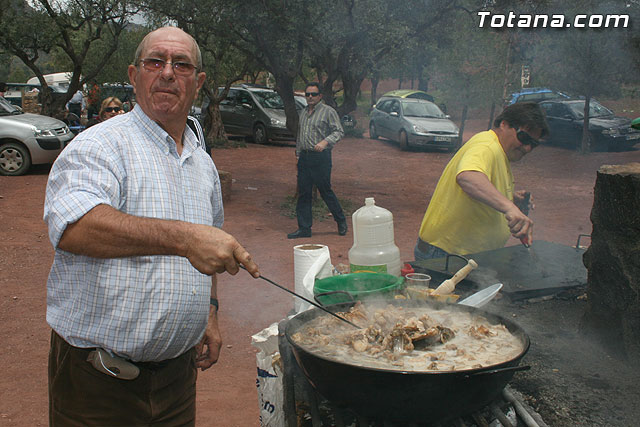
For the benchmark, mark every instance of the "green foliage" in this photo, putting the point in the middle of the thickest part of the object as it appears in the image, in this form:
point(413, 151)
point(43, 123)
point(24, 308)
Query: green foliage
point(435, 43)
point(72, 32)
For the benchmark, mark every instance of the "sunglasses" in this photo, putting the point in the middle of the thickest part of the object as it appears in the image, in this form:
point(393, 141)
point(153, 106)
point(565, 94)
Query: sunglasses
point(112, 109)
point(311, 93)
point(156, 65)
point(527, 139)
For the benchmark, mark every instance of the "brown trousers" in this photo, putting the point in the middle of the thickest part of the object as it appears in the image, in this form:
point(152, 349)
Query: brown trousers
point(164, 394)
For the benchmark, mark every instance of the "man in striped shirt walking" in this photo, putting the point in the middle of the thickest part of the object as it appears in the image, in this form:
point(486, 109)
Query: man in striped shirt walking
point(318, 132)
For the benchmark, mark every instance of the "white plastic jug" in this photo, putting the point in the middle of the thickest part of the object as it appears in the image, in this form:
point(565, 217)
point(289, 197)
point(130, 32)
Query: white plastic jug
point(374, 248)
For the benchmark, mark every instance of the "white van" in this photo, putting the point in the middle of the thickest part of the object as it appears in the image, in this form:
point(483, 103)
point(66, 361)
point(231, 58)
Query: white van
point(61, 80)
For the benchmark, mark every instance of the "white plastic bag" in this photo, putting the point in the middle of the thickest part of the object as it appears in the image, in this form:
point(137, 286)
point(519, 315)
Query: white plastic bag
point(269, 380)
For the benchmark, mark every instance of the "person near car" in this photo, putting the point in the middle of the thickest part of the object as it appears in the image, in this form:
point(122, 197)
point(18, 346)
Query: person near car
point(77, 104)
point(319, 130)
point(474, 207)
point(110, 107)
point(134, 211)
point(93, 101)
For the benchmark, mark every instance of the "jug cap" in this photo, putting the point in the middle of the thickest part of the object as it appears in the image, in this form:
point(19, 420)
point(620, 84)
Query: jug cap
point(369, 201)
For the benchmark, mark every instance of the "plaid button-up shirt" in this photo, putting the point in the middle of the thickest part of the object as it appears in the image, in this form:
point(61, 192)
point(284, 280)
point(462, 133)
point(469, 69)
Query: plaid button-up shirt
point(144, 308)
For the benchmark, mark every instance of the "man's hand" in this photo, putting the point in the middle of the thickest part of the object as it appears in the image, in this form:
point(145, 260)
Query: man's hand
point(321, 146)
point(208, 350)
point(520, 225)
point(212, 250)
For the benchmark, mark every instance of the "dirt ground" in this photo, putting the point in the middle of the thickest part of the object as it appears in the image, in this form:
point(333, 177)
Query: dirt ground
point(560, 180)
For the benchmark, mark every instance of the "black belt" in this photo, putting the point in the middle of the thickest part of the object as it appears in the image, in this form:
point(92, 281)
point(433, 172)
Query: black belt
point(422, 245)
point(312, 151)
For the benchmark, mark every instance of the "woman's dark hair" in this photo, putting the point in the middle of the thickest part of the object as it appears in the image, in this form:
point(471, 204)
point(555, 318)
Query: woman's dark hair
point(524, 114)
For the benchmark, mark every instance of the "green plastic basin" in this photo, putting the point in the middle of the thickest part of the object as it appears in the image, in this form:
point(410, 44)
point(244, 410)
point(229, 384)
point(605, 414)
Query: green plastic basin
point(359, 286)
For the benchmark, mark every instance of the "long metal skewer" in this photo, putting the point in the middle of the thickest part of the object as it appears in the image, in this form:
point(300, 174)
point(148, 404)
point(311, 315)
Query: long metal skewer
point(305, 299)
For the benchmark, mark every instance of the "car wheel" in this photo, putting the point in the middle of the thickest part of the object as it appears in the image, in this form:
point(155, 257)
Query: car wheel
point(14, 159)
point(373, 134)
point(260, 134)
point(404, 140)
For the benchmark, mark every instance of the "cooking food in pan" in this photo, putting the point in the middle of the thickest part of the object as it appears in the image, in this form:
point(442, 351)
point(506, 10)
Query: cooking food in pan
point(419, 339)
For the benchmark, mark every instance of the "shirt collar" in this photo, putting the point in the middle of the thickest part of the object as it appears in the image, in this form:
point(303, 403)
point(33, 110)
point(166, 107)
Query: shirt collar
point(160, 137)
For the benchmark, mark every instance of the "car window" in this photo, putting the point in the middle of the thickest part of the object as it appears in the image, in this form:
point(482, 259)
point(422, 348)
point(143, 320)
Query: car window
point(420, 95)
point(395, 107)
point(269, 99)
point(421, 109)
point(559, 110)
point(531, 97)
point(6, 108)
point(244, 98)
point(301, 102)
point(384, 106)
point(550, 95)
point(231, 97)
point(595, 109)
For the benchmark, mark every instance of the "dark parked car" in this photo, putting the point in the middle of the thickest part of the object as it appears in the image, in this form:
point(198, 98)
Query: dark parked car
point(535, 94)
point(257, 112)
point(609, 132)
point(413, 122)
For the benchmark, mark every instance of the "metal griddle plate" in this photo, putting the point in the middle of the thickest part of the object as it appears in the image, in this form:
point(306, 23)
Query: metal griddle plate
point(515, 269)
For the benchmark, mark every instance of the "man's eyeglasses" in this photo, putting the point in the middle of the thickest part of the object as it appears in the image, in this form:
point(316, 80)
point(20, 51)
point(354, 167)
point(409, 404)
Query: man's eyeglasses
point(156, 65)
point(527, 139)
point(112, 109)
point(307, 94)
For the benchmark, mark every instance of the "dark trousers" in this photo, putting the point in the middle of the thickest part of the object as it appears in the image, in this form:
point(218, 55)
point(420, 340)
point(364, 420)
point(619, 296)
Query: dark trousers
point(164, 394)
point(315, 168)
point(424, 250)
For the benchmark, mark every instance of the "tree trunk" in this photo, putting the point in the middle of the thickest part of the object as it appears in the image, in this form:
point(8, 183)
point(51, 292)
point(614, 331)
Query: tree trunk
point(351, 85)
point(507, 67)
point(284, 86)
point(423, 84)
point(585, 146)
point(463, 119)
point(492, 113)
point(327, 89)
point(214, 129)
point(374, 89)
point(613, 261)
point(212, 122)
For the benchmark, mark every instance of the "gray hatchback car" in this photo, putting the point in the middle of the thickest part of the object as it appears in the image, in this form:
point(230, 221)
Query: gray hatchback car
point(412, 123)
point(28, 139)
point(257, 112)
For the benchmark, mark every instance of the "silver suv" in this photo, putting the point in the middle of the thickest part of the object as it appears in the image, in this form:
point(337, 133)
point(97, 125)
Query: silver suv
point(28, 139)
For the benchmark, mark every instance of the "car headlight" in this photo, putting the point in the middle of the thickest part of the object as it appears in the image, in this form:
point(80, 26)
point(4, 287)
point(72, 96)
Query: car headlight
point(40, 133)
point(277, 122)
point(611, 131)
point(419, 129)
